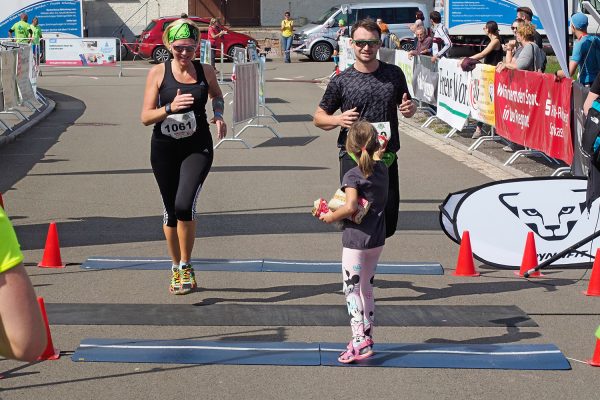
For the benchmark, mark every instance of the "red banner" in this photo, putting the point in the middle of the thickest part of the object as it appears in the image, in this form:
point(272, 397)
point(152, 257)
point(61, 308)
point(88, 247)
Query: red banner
point(534, 110)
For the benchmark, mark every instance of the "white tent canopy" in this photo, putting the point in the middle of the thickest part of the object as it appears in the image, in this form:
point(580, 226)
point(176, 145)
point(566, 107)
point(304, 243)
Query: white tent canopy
point(552, 13)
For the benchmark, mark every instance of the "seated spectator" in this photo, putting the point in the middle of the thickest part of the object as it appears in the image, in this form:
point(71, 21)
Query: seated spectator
point(586, 52)
point(423, 43)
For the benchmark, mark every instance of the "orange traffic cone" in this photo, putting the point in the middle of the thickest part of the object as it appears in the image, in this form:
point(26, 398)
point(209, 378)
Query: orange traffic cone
point(595, 361)
point(465, 266)
point(594, 285)
point(50, 353)
point(529, 258)
point(51, 258)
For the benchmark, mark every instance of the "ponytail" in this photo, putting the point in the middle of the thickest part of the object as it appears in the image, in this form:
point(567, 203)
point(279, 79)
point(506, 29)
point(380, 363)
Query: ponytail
point(366, 163)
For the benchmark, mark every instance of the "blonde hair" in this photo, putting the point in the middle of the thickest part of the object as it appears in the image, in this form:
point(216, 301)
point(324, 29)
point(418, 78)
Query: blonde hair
point(165, 35)
point(362, 142)
point(527, 31)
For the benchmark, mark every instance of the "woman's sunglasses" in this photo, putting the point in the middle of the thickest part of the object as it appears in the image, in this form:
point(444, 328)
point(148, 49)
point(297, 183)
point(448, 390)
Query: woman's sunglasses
point(513, 28)
point(181, 49)
point(363, 43)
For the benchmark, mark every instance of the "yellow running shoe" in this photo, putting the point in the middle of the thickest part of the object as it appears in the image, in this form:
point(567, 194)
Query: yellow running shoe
point(188, 279)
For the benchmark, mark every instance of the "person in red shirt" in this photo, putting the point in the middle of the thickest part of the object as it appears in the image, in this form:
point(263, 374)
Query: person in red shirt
point(215, 33)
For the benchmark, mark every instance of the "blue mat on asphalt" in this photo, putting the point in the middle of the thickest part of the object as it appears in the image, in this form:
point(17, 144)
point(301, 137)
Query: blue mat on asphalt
point(197, 352)
point(451, 355)
point(405, 268)
point(423, 355)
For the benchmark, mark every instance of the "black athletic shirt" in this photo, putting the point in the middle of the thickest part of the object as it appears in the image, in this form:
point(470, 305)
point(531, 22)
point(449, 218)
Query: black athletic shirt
point(199, 89)
point(376, 96)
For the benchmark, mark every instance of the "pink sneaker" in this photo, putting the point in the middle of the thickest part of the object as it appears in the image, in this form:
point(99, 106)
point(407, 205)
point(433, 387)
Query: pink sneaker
point(351, 354)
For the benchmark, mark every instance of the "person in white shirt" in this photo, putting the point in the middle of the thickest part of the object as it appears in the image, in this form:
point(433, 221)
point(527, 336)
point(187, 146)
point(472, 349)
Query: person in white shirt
point(441, 37)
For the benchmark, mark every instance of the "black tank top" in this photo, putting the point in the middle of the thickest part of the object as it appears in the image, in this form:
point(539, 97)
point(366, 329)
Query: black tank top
point(166, 94)
point(495, 56)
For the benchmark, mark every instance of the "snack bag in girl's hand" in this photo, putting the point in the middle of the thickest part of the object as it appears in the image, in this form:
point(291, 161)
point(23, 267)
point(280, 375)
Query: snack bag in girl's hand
point(339, 199)
point(320, 208)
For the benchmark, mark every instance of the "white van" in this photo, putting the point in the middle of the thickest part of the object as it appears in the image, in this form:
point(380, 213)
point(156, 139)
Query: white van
point(317, 39)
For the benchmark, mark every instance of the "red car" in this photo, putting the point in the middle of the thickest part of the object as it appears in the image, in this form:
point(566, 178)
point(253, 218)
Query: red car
point(150, 41)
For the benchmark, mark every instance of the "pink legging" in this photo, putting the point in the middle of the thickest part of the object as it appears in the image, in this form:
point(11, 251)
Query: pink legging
point(358, 270)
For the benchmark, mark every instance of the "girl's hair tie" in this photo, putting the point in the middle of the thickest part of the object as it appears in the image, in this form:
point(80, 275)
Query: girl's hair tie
point(364, 148)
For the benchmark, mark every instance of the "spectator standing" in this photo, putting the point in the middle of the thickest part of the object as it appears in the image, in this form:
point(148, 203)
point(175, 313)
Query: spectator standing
point(385, 32)
point(491, 55)
point(526, 14)
point(342, 31)
point(287, 34)
point(424, 43)
point(419, 21)
point(20, 30)
point(586, 52)
point(35, 33)
point(441, 37)
point(215, 33)
point(530, 58)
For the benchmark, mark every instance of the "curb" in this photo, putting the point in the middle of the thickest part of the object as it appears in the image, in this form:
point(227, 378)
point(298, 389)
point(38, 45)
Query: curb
point(477, 154)
point(12, 136)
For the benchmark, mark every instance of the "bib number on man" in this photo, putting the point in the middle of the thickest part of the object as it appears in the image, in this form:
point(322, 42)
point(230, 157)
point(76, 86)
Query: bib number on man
point(384, 133)
point(179, 126)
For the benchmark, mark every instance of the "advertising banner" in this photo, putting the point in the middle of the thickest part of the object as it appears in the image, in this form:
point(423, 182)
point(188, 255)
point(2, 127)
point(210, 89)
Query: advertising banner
point(24, 54)
point(534, 110)
point(205, 53)
point(245, 93)
point(407, 66)
point(453, 97)
point(425, 80)
point(56, 17)
point(81, 52)
point(552, 208)
point(8, 58)
point(580, 160)
point(481, 94)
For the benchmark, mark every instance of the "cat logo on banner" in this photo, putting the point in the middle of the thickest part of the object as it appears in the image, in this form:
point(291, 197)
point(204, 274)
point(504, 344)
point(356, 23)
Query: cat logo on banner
point(499, 215)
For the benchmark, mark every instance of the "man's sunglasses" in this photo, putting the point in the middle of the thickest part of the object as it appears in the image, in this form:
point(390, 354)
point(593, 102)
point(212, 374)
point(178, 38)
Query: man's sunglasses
point(363, 43)
point(181, 49)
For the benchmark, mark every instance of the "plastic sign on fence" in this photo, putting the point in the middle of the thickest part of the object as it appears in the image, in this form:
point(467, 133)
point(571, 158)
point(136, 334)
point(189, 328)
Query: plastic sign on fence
point(24, 55)
point(245, 93)
point(81, 52)
point(407, 66)
point(425, 80)
point(62, 17)
point(481, 94)
point(534, 110)
point(452, 99)
point(205, 53)
point(8, 58)
point(552, 208)
point(345, 53)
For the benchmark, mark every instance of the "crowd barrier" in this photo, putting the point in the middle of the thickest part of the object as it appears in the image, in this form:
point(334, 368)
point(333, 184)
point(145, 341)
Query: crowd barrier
point(19, 97)
point(528, 108)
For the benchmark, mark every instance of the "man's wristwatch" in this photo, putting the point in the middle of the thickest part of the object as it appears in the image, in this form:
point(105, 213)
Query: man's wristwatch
point(168, 109)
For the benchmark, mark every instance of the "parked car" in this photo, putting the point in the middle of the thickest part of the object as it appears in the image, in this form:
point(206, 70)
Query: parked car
point(317, 39)
point(151, 45)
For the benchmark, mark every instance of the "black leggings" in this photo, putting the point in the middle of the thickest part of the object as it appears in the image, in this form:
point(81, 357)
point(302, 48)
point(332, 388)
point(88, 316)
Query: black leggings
point(392, 206)
point(180, 170)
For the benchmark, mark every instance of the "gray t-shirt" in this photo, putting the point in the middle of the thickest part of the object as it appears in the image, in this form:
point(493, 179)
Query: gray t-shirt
point(530, 58)
point(370, 233)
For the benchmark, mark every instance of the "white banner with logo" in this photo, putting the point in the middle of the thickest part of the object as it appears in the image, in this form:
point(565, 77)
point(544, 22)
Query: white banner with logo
point(345, 53)
point(81, 52)
point(453, 100)
point(407, 65)
point(552, 208)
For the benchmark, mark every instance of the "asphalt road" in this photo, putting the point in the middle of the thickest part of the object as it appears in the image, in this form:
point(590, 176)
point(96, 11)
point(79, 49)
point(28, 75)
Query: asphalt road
point(86, 166)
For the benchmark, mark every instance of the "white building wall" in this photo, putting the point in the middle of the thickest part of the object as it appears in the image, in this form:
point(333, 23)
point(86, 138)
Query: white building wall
point(271, 11)
point(102, 18)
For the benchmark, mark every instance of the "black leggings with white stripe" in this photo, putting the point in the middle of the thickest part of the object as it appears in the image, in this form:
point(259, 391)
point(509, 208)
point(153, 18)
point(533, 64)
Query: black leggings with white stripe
point(180, 169)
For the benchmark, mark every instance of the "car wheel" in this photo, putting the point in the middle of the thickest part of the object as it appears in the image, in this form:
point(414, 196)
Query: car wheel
point(231, 50)
point(321, 51)
point(161, 54)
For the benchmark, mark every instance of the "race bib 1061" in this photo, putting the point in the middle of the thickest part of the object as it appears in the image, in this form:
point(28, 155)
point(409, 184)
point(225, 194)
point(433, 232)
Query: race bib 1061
point(179, 126)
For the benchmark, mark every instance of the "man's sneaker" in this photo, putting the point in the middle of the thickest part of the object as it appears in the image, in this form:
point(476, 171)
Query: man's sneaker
point(175, 286)
point(188, 279)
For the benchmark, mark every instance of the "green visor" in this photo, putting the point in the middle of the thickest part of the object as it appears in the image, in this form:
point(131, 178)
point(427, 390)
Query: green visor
point(183, 31)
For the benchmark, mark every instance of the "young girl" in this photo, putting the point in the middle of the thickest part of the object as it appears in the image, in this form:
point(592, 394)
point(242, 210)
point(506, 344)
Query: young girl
point(362, 244)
